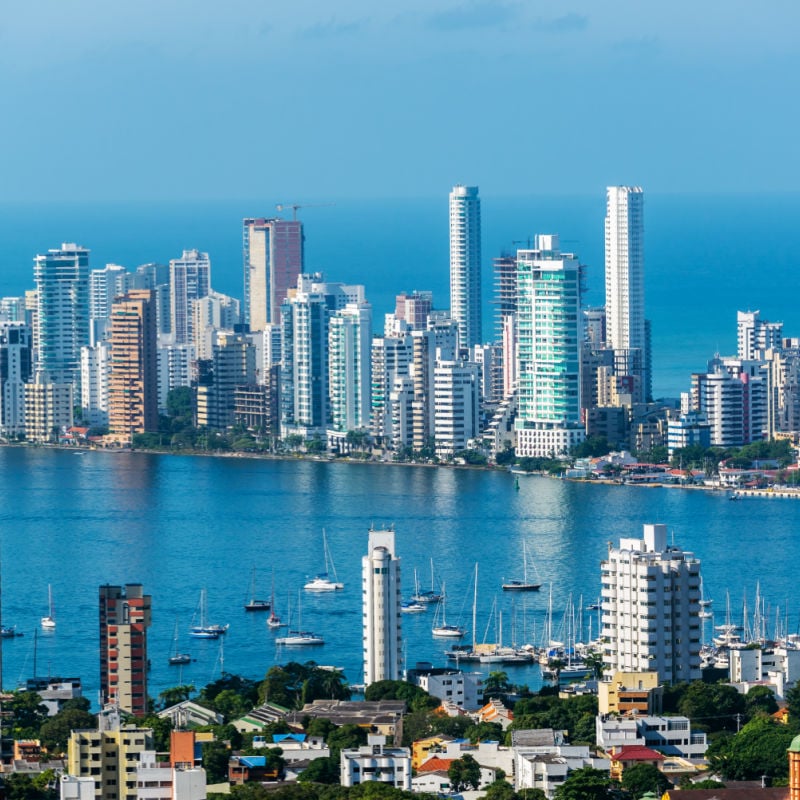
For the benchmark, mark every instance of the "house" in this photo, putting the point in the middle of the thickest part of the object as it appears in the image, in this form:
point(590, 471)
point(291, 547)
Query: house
point(375, 761)
point(189, 714)
point(669, 735)
point(624, 757)
point(377, 716)
point(261, 716)
point(422, 749)
point(295, 746)
point(495, 711)
point(243, 769)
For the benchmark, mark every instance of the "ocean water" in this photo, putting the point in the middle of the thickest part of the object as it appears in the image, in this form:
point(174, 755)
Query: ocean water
point(179, 524)
point(706, 256)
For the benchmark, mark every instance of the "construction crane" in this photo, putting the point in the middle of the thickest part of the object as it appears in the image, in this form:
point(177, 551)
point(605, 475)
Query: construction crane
point(296, 206)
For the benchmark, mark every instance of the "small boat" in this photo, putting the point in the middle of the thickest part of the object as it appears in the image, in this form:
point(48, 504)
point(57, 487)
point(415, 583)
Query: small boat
point(273, 620)
point(413, 607)
point(49, 622)
point(524, 585)
point(593, 606)
point(9, 632)
point(203, 630)
point(428, 597)
point(253, 603)
point(299, 637)
point(177, 657)
point(322, 582)
point(441, 630)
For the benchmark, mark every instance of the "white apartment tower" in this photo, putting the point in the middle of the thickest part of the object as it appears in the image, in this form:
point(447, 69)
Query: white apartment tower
point(549, 327)
point(456, 403)
point(465, 263)
point(651, 608)
point(380, 570)
point(626, 328)
point(349, 367)
point(189, 279)
point(62, 313)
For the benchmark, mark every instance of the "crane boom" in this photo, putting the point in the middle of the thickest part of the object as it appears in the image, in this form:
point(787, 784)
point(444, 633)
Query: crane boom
point(296, 206)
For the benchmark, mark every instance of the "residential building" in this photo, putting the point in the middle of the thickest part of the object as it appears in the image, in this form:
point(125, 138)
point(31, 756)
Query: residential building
point(109, 756)
point(626, 327)
point(549, 324)
point(377, 762)
point(391, 356)
point(456, 406)
point(651, 607)
point(48, 409)
point(105, 285)
point(411, 313)
point(776, 665)
point(463, 689)
point(189, 280)
point(273, 260)
point(164, 781)
point(95, 371)
point(384, 717)
point(630, 693)
point(212, 313)
point(349, 368)
point(177, 366)
point(688, 430)
point(546, 767)
point(188, 714)
point(62, 313)
point(672, 736)
point(755, 335)
point(257, 406)
point(133, 376)
point(381, 591)
point(465, 264)
point(233, 364)
point(124, 620)
point(16, 368)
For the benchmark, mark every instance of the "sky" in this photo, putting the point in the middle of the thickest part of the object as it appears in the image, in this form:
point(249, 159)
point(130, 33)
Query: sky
point(180, 100)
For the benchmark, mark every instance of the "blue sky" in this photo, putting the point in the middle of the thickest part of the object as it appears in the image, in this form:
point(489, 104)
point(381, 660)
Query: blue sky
point(179, 99)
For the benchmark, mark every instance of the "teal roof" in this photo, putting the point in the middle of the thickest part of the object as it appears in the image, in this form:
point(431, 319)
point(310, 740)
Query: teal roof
point(794, 747)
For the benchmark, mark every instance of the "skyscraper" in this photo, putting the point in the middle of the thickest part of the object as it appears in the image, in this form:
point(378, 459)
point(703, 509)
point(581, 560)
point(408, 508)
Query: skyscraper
point(550, 335)
point(380, 570)
point(465, 263)
point(124, 620)
point(349, 367)
point(62, 313)
point(651, 608)
point(189, 280)
point(273, 260)
point(626, 327)
point(133, 377)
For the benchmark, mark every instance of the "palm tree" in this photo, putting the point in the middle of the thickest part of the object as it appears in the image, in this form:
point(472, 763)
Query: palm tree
point(496, 684)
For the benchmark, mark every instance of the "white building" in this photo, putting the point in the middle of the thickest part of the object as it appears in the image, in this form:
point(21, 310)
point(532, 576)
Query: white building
point(391, 356)
point(158, 781)
point(462, 689)
point(383, 644)
point(456, 405)
point(549, 325)
point(189, 280)
point(465, 263)
point(755, 335)
point(72, 787)
point(349, 367)
point(62, 313)
point(777, 666)
point(212, 313)
point(626, 328)
point(95, 372)
point(105, 285)
point(48, 410)
point(688, 430)
point(176, 367)
point(547, 767)
point(651, 607)
point(672, 736)
point(376, 762)
point(16, 353)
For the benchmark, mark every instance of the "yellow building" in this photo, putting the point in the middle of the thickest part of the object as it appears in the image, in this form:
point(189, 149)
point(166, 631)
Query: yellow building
point(422, 748)
point(630, 692)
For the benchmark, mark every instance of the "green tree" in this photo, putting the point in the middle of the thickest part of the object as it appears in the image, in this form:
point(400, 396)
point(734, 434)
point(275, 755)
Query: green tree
point(714, 706)
point(54, 732)
point(464, 773)
point(639, 779)
point(496, 684)
point(345, 737)
point(27, 714)
point(315, 446)
point(180, 403)
point(215, 761)
point(321, 770)
point(416, 698)
point(760, 700)
point(162, 728)
point(174, 695)
point(500, 790)
point(792, 698)
point(586, 783)
point(758, 749)
point(485, 732)
point(23, 787)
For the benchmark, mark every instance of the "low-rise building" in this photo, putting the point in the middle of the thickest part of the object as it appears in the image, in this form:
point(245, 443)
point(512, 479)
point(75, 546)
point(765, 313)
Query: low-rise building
point(623, 757)
point(628, 692)
point(162, 781)
point(295, 746)
point(188, 714)
point(547, 767)
point(464, 689)
point(375, 761)
point(776, 666)
point(378, 716)
point(668, 735)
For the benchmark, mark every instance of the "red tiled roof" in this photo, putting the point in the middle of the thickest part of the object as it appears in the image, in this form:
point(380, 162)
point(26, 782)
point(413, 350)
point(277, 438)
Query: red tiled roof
point(636, 752)
point(433, 764)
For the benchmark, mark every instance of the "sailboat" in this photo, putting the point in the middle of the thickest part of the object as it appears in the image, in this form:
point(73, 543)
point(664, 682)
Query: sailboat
point(203, 630)
point(252, 603)
point(442, 629)
point(427, 597)
point(524, 585)
point(49, 622)
point(177, 657)
point(273, 620)
point(299, 637)
point(322, 582)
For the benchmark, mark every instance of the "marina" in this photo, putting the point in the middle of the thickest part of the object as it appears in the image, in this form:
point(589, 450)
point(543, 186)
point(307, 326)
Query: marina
point(169, 521)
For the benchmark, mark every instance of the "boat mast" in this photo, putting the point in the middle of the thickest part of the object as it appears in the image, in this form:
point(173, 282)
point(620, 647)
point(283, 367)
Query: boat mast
point(475, 607)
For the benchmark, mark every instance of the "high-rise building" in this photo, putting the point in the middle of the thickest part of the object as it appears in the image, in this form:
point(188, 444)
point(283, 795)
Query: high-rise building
point(273, 260)
point(456, 403)
point(189, 279)
point(105, 285)
point(756, 335)
point(95, 371)
point(651, 608)
point(380, 571)
point(48, 409)
point(15, 372)
point(62, 313)
point(124, 620)
point(349, 367)
point(549, 325)
point(465, 263)
point(626, 327)
point(133, 377)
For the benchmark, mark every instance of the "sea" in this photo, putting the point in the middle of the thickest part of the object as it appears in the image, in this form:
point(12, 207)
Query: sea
point(181, 524)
